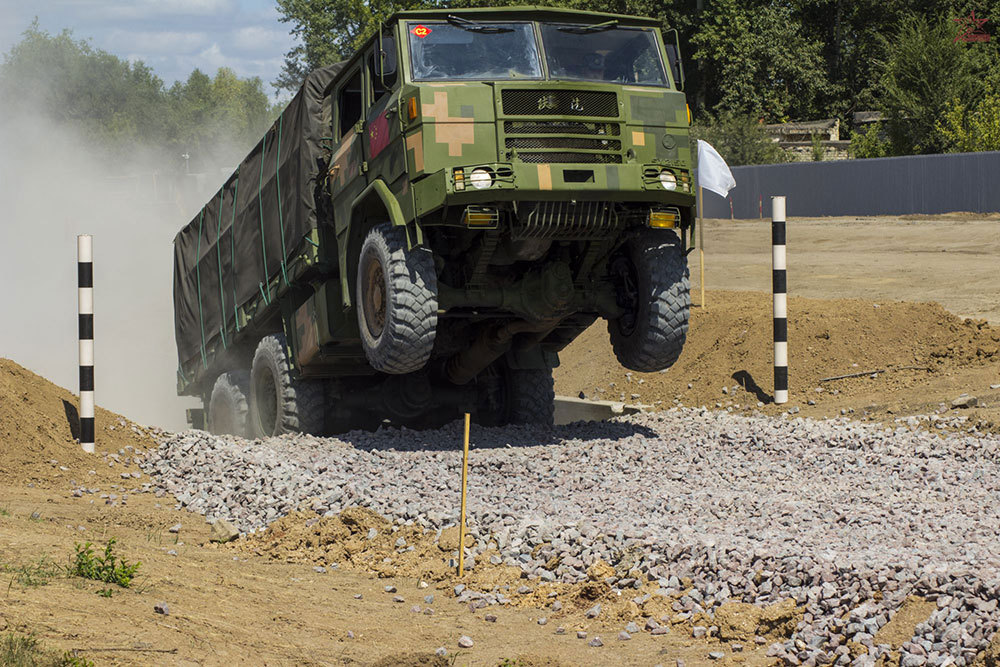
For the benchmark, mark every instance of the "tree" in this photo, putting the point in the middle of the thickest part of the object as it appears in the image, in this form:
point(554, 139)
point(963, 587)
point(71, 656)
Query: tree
point(927, 70)
point(759, 62)
point(739, 139)
point(329, 31)
point(973, 127)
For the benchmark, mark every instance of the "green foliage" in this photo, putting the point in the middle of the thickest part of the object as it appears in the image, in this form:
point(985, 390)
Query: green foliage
point(24, 651)
point(122, 107)
point(926, 71)
point(106, 592)
point(109, 568)
point(329, 31)
point(817, 151)
point(759, 62)
point(967, 128)
point(33, 574)
point(739, 139)
point(869, 142)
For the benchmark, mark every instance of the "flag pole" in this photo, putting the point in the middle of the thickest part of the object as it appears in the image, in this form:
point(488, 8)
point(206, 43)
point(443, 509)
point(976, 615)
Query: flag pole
point(701, 245)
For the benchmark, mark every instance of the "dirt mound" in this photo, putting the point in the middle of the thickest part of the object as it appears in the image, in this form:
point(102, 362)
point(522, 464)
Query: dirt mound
point(729, 346)
point(39, 424)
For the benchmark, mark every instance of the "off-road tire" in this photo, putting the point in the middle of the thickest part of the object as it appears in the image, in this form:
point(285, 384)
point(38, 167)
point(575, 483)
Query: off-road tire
point(397, 301)
point(279, 404)
point(532, 397)
point(227, 404)
point(516, 396)
point(651, 336)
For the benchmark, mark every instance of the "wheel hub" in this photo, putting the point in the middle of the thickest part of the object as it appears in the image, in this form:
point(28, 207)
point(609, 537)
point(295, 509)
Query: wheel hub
point(374, 297)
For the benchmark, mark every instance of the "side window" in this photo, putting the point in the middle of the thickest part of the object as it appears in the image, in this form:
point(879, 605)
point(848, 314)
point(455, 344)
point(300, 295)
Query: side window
point(349, 104)
point(381, 85)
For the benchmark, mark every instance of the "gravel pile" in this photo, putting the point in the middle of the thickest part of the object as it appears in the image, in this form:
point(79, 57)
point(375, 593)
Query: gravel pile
point(847, 519)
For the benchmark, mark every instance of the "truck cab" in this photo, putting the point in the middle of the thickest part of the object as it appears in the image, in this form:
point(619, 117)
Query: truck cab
point(492, 181)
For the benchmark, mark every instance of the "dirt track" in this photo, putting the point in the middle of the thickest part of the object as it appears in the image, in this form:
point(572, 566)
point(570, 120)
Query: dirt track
point(260, 610)
point(953, 260)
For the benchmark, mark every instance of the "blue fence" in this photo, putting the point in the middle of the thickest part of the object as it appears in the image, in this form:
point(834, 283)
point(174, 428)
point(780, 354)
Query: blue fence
point(881, 186)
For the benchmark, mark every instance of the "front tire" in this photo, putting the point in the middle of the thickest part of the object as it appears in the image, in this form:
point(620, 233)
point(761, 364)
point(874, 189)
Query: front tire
point(279, 404)
point(227, 405)
point(397, 301)
point(653, 286)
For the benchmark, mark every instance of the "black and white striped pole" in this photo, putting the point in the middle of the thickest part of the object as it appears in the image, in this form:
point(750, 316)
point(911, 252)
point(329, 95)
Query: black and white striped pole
point(779, 284)
point(85, 273)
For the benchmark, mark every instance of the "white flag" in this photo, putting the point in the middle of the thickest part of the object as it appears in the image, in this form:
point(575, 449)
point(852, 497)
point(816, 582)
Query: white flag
point(713, 172)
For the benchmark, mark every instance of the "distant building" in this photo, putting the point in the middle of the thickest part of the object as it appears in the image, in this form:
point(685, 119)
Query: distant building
point(798, 139)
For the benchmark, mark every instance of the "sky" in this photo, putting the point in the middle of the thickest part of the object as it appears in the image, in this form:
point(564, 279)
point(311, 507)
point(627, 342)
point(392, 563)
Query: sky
point(171, 36)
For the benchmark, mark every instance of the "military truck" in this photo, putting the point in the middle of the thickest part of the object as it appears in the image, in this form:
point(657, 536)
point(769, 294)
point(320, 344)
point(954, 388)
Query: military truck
point(428, 224)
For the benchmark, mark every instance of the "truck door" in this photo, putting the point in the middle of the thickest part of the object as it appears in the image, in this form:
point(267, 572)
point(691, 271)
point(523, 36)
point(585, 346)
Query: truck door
point(383, 146)
point(347, 178)
point(347, 165)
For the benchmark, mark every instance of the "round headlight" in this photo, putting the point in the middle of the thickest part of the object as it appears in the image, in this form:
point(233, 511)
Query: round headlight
point(668, 180)
point(481, 178)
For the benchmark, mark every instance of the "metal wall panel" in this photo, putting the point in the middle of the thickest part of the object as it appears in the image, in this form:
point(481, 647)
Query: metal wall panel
point(882, 186)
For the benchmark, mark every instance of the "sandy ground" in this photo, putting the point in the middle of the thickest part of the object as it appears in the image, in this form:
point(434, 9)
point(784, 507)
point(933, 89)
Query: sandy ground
point(953, 260)
point(852, 282)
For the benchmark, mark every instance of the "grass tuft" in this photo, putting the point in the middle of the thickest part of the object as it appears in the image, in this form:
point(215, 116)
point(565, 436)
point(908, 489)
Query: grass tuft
point(24, 651)
point(33, 574)
point(109, 568)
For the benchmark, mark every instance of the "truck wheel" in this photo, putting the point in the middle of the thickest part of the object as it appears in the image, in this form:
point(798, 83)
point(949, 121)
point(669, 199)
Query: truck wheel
point(227, 406)
point(279, 404)
point(397, 301)
point(518, 396)
point(652, 285)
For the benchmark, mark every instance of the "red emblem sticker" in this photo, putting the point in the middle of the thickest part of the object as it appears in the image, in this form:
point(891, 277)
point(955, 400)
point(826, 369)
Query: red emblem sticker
point(421, 31)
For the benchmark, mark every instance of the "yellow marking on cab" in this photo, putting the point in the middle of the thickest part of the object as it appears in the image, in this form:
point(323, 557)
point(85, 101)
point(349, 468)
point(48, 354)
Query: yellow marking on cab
point(454, 131)
point(638, 138)
point(415, 143)
point(544, 177)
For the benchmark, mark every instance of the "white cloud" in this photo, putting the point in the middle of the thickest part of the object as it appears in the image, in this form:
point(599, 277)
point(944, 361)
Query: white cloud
point(155, 42)
point(257, 38)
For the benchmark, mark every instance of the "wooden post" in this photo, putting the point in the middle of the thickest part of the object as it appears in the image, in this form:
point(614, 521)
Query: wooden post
point(701, 245)
point(465, 477)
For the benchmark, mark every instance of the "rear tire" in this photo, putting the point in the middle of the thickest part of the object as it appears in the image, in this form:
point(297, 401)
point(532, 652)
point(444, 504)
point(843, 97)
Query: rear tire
point(652, 283)
point(397, 301)
point(279, 404)
point(227, 406)
point(517, 396)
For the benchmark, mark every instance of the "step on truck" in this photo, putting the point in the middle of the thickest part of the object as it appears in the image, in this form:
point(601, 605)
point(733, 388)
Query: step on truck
point(428, 224)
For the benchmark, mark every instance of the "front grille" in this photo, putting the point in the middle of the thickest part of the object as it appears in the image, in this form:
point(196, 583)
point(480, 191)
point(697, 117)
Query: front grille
point(562, 158)
point(563, 142)
point(562, 220)
point(534, 102)
point(560, 127)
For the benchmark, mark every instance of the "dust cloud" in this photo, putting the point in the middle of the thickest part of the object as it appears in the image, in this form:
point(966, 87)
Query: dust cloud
point(54, 186)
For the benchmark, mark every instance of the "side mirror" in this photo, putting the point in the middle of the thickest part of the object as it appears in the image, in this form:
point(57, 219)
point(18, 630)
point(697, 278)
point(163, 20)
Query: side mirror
point(674, 56)
point(385, 63)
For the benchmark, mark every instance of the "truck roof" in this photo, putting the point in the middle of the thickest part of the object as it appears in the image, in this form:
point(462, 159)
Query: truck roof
point(527, 12)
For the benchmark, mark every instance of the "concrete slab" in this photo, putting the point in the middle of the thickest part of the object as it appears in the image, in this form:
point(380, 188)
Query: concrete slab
point(571, 409)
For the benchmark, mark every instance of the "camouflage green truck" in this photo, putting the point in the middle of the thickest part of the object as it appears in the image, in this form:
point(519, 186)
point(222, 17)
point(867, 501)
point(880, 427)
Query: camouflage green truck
point(428, 224)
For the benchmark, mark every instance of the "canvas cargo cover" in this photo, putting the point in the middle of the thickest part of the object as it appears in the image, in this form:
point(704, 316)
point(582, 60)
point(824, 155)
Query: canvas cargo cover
point(243, 236)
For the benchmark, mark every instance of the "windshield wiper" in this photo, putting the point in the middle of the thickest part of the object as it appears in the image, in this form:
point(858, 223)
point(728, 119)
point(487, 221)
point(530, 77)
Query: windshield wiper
point(472, 26)
point(584, 29)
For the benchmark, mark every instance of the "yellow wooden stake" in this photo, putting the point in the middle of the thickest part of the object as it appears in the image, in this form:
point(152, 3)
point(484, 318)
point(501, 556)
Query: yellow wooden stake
point(465, 476)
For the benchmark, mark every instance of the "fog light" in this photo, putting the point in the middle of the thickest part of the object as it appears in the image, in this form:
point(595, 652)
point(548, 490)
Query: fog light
point(663, 219)
point(481, 217)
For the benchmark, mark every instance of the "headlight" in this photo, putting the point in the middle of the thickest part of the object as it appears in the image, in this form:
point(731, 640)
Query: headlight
point(667, 179)
point(481, 178)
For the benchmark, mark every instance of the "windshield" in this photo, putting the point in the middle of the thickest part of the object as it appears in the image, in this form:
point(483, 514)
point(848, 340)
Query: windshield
point(472, 50)
point(603, 53)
